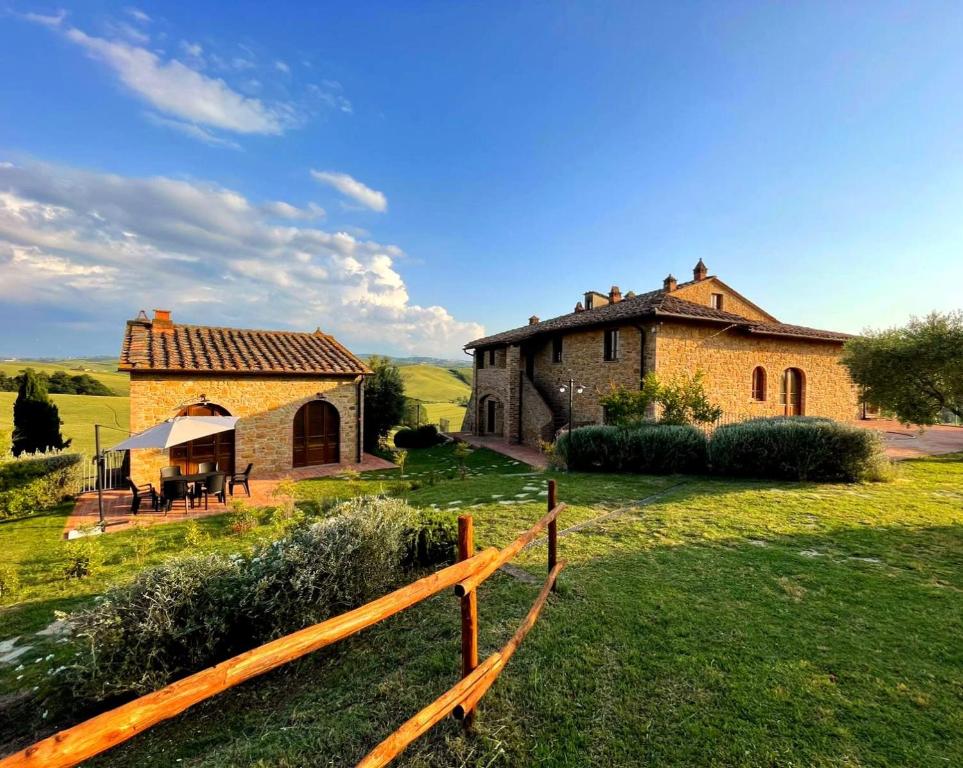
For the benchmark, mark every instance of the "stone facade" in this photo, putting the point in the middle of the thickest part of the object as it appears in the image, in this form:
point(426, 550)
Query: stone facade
point(265, 404)
point(726, 346)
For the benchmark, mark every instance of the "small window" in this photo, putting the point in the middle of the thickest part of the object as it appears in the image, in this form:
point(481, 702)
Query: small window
point(716, 300)
point(480, 358)
point(588, 301)
point(759, 383)
point(557, 349)
point(491, 357)
point(611, 351)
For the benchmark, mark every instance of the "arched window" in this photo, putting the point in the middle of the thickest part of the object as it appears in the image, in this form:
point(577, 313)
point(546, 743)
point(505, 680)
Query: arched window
point(759, 383)
point(792, 392)
point(317, 434)
point(218, 448)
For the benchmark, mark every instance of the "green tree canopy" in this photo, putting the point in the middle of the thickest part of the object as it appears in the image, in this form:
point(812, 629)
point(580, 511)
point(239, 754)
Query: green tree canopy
point(683, 400)
point(36, 421)
point(915, 371)
point(384, 401)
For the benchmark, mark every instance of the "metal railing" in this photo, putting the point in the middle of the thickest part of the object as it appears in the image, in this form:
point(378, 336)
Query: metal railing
point(112, 474)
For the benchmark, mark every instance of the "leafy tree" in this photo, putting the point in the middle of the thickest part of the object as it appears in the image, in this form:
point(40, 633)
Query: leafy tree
point(36, 421)
point(683, 401)
point(915, 371)
point(384, 401)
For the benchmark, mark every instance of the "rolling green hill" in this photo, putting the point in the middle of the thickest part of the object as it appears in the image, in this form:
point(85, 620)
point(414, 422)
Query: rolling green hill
point(79, 413)
point(433, 384)
point(102, 370)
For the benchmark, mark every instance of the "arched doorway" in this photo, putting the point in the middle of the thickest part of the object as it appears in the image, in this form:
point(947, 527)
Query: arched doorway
point(218, 448)
point(317, 434)
point(491, 416)
point(793, 392)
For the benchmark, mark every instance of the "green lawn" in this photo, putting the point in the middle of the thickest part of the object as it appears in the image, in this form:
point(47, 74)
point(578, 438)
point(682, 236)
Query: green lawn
point(79, 413)
point(433, 384)
point(105, 371)
point(722, 623)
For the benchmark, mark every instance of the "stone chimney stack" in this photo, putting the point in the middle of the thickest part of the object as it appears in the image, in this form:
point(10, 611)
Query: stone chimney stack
point(669, 284)
point(533, 320)
point(700, 271)
point(579, 307)
point(162, 321)
point(615, 295)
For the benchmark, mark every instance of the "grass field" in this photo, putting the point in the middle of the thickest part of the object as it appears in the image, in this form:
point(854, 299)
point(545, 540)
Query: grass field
point(105, 372)
point(438, 388)
point(722, 623)
point(79, 413)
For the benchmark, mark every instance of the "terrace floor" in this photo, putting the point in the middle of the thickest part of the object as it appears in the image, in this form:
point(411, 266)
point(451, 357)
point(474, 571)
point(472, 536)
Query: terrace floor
point(904, 442)
point(263, 493)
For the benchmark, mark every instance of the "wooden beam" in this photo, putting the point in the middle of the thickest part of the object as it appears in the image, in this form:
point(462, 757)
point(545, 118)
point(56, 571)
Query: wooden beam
point(83, 741)
point(469, 607)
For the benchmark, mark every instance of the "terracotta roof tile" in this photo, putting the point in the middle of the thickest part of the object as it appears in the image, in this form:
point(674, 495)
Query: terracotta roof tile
point(654, 304)
point(233, 350)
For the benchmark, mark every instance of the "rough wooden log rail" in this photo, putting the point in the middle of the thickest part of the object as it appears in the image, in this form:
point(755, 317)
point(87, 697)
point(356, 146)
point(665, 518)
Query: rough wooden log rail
point(73, 745)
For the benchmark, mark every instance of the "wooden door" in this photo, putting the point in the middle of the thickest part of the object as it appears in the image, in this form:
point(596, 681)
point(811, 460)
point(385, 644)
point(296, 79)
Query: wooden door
point(218, 448)
point(317, 434)
point(793, 388)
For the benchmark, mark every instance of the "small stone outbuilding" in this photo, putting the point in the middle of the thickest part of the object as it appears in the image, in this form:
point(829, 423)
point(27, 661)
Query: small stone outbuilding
point(298, 396)
point(753, 365)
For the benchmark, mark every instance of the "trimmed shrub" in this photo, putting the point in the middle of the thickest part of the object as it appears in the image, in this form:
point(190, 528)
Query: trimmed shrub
point(36, 483)
point(424, 436)
point(192, 612)
point(645, 449)
point(795, 448)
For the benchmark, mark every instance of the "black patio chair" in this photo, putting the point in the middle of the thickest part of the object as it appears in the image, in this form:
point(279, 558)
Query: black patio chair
point(174, 490)
point(242, 479)
point(170, 472)
point(214, 485)
point(206, 466)
point(139, 492)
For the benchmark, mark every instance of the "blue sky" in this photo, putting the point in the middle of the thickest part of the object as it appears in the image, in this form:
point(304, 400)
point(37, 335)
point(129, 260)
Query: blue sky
point(409, 175)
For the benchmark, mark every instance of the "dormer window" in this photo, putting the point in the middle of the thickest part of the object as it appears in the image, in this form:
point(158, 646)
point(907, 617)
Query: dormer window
point(716, 301)
point(588, 300)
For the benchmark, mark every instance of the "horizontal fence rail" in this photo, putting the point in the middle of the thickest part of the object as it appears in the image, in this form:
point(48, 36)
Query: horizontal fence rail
point(98, 734)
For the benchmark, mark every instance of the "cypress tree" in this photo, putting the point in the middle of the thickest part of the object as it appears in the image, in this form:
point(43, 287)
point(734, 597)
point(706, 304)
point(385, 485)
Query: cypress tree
point(36, 420)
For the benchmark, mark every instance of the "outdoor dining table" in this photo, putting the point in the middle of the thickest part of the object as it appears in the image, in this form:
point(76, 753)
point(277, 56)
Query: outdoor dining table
point(197, 477)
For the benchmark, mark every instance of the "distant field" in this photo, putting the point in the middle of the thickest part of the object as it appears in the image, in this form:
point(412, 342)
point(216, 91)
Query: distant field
point(105, 371)
point(454, 414)
point(79, 413)
point(433, 384)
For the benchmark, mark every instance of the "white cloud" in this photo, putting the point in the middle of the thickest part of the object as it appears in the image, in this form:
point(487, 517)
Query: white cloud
point(52, 20)
point(280, 66)
point(138, 15)
point(192, 50)
point(98, 244)
point(191, 130)
point(356, 190)
point(176, 89)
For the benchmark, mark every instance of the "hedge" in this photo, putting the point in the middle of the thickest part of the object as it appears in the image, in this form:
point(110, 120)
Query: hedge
point(795, 448)
point(30, 485)
point(424, 436)
point(646, 449)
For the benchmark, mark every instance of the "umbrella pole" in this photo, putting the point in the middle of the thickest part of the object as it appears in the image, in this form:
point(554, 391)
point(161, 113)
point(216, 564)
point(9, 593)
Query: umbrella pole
point(100, 479)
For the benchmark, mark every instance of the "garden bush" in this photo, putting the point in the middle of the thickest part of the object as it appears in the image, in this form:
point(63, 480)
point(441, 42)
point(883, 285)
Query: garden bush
point(192, 612)
point(31, 484)
point(645, 449)
point(424, 436)
point(796, 448)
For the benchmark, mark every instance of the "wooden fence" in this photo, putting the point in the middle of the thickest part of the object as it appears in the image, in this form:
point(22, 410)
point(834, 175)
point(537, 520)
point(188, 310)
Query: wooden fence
point(81, 742)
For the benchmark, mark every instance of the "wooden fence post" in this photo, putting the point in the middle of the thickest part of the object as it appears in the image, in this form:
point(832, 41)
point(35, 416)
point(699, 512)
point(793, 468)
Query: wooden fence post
point(552, 531)
point(469, 609)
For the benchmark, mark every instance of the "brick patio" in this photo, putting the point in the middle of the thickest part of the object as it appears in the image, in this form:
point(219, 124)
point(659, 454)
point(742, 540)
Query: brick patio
point(263, 493)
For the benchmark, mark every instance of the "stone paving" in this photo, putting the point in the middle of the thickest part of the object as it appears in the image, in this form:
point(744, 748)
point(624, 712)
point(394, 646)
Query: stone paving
point(524, 453)
point(263, 493)
point(904, 442)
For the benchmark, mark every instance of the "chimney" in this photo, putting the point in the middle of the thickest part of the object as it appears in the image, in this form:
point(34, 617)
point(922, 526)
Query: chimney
point(162, 320)
point(533, 320)
point(630, 295)
point(579, 307)
point(670, 283)
point(700, 271)
point(615, 295)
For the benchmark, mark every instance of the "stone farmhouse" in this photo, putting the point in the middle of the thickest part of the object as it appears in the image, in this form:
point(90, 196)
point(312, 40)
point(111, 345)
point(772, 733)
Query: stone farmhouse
point(299, 396)
point(753, 365)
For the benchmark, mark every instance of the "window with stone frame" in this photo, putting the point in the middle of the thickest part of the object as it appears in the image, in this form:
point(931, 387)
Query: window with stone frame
point(610, 351)
point(716, 300)
point(557, 349)
point(759, 384)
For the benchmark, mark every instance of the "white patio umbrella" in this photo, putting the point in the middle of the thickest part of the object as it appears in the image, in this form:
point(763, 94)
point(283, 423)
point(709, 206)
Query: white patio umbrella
point(180, 429)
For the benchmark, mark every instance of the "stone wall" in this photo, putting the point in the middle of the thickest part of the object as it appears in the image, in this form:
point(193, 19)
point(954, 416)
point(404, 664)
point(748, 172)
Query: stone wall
point(582, 354)
point(265, 405)
point(537, 418)
point(701, 293)
point(727, 359)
